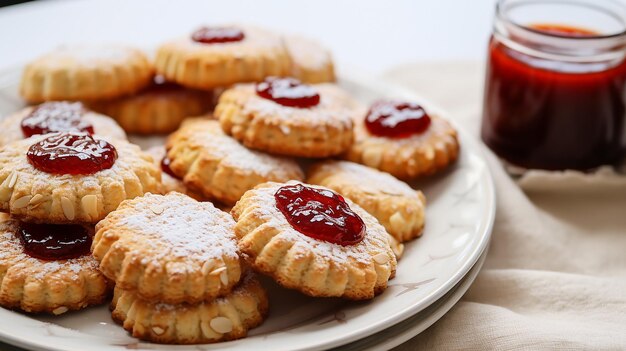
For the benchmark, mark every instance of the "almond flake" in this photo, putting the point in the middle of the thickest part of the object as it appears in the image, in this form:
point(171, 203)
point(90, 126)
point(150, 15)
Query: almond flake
point(158, 330)
point(381, 258)
point(221, 325)
point(90, 205)
point(207, 267)
point(59, 310)
point(68, 208)
point(12, 180)
point(218, 270)
point(22, 202)
point(157, 209)
point(224, 277)
point(36, 199)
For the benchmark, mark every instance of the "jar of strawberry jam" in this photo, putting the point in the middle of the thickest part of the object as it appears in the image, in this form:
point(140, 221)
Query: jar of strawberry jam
point(555, 90)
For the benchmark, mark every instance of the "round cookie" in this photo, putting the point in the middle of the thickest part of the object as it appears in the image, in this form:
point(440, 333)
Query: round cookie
point(408, 157)
point(320, 130)
point(225, 318)
point(56, 114)
point(218, 166)
point(33, 194)
point(169, 248)
point(39, 286)
point(86, 72)
point(310, 61)
point(398, 207)
point(357, 271)
point(169, 181)
point(158, 109)
point(215, 57)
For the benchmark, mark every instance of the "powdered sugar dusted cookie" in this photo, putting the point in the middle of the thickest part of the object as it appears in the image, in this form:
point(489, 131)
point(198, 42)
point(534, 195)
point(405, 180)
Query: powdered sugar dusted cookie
point(61, 116)
point(398, 207)
point(218, 166)
point(310, 239)
point(86, 72)
point(283, 116)
point(169, 248)
point(170, 181)
point(310, 61)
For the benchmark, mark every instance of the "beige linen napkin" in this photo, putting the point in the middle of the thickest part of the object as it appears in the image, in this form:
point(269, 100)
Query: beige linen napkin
point(555, 275)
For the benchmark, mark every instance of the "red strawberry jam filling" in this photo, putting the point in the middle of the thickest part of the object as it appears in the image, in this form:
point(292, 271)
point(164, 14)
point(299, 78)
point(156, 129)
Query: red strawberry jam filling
point(320, 214)
point(288, 92)
point(165, 167)
point(395, 119)
point(54, 241)
point(52, 117)
point(72, 153)
point(214, 35)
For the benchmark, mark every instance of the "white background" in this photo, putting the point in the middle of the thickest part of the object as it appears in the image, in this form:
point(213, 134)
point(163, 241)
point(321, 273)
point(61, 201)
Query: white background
point(371, 35)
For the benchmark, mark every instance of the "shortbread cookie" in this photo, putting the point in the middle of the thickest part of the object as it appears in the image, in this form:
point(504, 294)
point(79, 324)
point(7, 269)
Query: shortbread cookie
point(398, 207)
point(170, 181)
point(225, 318)
point(36, 285)
point(158, 109)
point(283, 116)
point(403, 139)
point(214, 57)
point(61, 116)
point(310, 239)
point(310, 61)
point(169, 248)
point(218, 166)
point(85, 73)
point(72, 177)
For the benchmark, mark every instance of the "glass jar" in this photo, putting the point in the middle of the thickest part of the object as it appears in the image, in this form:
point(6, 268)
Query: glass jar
point(555, 90)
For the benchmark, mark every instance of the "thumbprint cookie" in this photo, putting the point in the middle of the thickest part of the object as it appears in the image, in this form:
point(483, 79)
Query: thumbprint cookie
point(217, 56)
point(222, 319)
point(285, 117)
point(398, 207)
point(404, 139)
point(159, 109)
point(310, 61)
point(209, 161)
point(72, 177)
point(47, 268)
point(310, 239)
point(57, 116)
point(170, 181)
point(86, 72)
point(169, 248)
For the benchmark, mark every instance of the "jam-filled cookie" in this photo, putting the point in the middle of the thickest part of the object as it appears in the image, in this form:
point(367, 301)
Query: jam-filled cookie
point(72, 177)
point(403, 139)
point(170, 181)
point(225, 318)
point(159, 109)
point(285, 117)
point(169, 248)
point(48, 268)
point(398, 207)
point(313, 240)
point(209, 161)
point(219, 56)
point(61, 116)
point(310, 61)
point(86, 73)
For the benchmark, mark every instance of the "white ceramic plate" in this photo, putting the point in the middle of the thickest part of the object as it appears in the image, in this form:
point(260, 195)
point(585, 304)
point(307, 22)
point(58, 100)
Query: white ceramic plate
point(460, 214)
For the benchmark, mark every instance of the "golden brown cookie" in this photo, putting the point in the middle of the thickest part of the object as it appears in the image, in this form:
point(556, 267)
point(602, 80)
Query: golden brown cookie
point(356, 265)
point(398, 207)
point(86, 72)
point(61, 116)
point(47, 191)
point(225, 318)
point(158, 109)
point(169, 248)
point(218, 166)
point(291, 122)
point(310, 61)
point(170, 182)
point(407, 157)
point(50, 286)
point(214, 57)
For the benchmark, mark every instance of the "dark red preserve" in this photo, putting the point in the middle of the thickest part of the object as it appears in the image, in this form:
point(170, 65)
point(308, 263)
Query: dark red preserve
point(55, 241)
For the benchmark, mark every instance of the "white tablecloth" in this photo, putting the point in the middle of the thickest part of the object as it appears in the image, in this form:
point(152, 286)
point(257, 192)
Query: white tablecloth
point(555, 276)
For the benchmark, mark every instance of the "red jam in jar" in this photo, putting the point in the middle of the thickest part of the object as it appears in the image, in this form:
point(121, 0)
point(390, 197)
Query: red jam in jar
point(56, 116)
point(55, 241)
point(395, 119)
point(555, 95)
point(320, 214)
point(288, 92)
point(72, 153)
point(214, 35)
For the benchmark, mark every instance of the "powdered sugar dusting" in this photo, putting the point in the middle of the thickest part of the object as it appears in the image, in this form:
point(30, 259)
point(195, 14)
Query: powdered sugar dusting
point(368, 179)
point(90, 55)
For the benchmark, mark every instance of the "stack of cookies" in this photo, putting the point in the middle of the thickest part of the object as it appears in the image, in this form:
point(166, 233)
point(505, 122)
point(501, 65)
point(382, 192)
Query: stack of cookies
point(178, 272)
